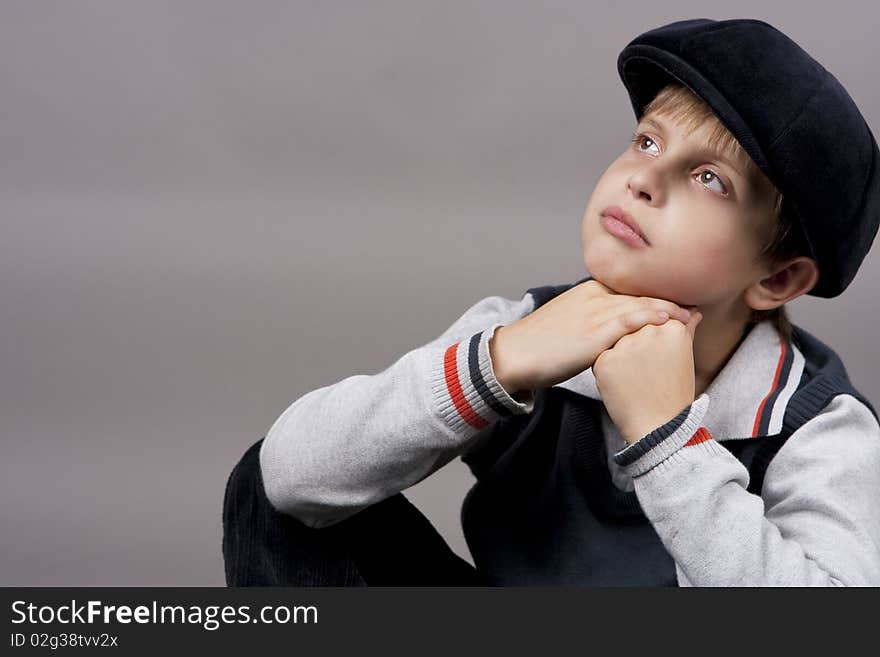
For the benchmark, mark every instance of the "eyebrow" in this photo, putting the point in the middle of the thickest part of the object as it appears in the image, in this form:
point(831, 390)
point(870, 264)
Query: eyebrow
point(717, 154)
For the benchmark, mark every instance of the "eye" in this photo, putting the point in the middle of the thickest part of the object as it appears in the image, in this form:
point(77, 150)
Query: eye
point(712, 177)
point(640, 139)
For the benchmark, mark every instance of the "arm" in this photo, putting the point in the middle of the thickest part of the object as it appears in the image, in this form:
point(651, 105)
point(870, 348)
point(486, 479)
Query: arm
point(343, 447)
point(817, 521)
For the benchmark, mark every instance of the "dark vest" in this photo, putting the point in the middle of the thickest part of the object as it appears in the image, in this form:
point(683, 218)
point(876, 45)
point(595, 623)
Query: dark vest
point(544, 510)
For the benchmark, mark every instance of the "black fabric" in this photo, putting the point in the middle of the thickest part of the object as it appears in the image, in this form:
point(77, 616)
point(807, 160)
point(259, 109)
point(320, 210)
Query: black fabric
point(390, 543)
point(546, 512)
point(790, 114)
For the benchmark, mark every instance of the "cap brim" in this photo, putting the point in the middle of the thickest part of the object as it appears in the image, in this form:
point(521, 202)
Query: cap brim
point(645, 70)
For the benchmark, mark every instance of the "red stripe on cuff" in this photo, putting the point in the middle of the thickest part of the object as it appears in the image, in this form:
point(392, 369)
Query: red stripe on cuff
point(701, 436)
point(453, 386)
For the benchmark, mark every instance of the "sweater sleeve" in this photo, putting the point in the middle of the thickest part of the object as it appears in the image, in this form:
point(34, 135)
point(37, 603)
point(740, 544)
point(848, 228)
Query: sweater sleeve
point(816, 522)
point(346, 446)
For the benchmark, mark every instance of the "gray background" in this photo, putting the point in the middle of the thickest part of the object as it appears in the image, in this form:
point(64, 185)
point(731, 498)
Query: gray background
point(211, 208)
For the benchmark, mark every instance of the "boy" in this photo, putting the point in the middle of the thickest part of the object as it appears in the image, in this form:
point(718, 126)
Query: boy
point(616, 437)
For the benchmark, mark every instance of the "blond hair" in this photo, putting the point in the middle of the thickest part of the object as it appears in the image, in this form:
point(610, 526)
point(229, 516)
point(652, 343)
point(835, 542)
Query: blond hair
point(684, 107)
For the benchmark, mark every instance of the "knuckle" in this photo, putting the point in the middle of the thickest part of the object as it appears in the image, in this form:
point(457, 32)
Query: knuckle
point(674, 327)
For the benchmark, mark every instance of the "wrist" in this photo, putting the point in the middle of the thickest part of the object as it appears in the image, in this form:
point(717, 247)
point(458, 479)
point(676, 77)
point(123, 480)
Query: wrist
point(499, 358)
point(644, 426)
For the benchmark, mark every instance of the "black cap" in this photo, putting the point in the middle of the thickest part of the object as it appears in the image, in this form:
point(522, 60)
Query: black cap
point(793, 118)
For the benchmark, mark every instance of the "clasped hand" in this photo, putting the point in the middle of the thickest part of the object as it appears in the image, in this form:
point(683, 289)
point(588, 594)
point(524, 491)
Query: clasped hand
point(647, 378)
point(640, 349)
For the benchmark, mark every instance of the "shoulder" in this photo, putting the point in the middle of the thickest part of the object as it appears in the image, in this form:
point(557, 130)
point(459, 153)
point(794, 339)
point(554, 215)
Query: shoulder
point(497, 308)
point(541, 294)
point(846, 420)
point(827, 412)
point(840, 443)
point(828, 427)
point(485, 313)
point(823, 378)
point(505, 309)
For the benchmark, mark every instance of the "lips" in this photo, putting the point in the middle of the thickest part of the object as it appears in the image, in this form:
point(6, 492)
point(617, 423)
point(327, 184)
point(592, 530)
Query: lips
point(621, 215)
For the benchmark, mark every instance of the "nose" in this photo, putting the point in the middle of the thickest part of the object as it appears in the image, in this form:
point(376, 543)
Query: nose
point(644, 185)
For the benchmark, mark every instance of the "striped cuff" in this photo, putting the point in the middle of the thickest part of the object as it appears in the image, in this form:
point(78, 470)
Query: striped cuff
point(466, 390)
point(655, 447)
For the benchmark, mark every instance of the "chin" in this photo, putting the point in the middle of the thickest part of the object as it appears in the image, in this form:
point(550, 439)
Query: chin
point(624, 286)
point(623, 280)
point(616, 275)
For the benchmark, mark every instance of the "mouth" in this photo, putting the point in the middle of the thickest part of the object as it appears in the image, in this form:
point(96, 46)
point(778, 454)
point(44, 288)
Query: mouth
point(619, 223)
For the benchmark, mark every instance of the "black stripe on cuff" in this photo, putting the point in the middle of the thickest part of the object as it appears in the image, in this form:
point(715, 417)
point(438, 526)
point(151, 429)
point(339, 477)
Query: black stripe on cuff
point(641, 447)
point(479, 382)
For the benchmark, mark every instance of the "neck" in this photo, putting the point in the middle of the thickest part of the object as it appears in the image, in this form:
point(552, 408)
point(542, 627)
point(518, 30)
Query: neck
point(715, 341)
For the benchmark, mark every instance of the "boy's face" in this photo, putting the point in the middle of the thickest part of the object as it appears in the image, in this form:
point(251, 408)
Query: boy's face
point(703, 220)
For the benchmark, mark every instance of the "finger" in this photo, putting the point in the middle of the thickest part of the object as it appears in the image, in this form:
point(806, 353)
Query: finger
point(692, 324)
point(613, 302)
point(629, 322)
point(637, 307)
point(675, 311)
point(662, 305)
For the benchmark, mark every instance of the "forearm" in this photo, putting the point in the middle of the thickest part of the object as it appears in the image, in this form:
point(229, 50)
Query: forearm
point(346, 446)
point(715, 529)
point(808, 531)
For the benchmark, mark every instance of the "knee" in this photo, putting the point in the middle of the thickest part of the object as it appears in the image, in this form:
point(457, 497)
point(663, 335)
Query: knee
point(245, 482)
point(249, 464)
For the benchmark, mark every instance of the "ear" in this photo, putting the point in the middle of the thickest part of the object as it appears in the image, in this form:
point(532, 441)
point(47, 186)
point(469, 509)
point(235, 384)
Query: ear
point(787, 281)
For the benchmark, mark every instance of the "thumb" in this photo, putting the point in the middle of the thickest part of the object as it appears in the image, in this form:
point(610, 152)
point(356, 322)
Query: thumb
point(691, 326)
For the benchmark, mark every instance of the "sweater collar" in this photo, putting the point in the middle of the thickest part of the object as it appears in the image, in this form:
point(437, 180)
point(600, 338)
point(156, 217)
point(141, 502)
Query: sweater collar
point(749, 396)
